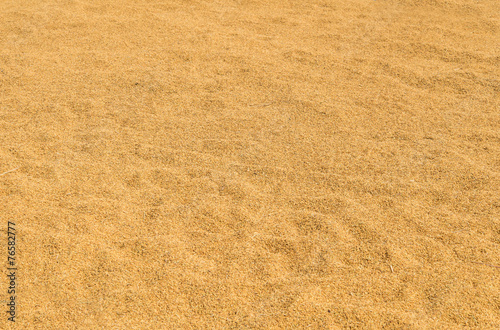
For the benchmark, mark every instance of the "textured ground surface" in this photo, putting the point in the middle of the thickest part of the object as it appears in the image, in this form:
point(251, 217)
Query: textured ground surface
point(252, 164)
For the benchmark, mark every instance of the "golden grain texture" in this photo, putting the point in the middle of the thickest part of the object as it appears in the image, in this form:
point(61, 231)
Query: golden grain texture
point(255, 164)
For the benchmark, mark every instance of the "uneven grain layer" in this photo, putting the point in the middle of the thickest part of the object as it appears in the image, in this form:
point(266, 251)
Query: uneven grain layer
point(252, 164)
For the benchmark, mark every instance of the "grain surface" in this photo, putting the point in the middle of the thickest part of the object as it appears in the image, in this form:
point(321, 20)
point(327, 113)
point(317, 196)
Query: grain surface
point(249, 164)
